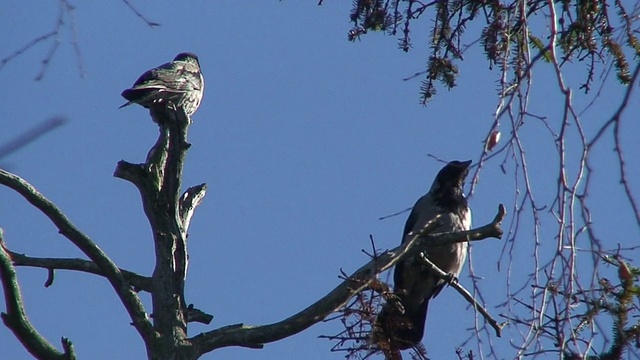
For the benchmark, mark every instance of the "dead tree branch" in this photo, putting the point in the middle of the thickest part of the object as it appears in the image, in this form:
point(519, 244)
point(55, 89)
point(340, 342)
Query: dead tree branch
point(466, 295)
point(139, 282)
point(16, 319)
point(30, 135)
point(123, 289)
point(159, 180)
point(257, 336)
point(169, 213)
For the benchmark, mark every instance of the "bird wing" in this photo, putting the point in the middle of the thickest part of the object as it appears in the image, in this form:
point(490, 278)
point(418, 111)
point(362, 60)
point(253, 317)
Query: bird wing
point(411, 277)
point(170, 77)
point(152, 75)
point(423, 209)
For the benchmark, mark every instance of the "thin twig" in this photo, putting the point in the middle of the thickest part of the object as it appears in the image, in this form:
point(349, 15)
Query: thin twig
point(140, 15)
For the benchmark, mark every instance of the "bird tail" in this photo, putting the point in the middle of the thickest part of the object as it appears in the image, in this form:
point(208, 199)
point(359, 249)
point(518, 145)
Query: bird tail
point(398, 327)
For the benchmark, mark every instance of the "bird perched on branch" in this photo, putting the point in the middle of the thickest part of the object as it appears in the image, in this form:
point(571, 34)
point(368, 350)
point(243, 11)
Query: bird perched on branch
point(401, 322)
point(179, 82)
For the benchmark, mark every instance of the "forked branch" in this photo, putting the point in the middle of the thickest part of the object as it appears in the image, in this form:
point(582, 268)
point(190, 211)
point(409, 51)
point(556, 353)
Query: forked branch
point(123, 289)
point(257, 336)
point(16, 319)
point(138, 281)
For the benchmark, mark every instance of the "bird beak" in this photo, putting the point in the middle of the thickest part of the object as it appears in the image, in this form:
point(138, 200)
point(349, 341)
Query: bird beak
point(465, 164)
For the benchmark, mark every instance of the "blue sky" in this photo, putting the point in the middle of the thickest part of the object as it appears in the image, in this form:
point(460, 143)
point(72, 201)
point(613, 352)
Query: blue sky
point(304, 139)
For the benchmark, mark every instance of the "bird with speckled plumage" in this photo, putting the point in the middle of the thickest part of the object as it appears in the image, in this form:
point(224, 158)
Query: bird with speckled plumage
point(178, 83)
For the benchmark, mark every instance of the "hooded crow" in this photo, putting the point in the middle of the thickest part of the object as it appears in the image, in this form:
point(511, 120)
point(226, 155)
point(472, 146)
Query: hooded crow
point(401, 322)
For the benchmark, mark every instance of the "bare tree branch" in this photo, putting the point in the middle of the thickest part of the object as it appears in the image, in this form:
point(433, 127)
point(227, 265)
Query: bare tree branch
point(16, 319)
point(139, 282)
point(27, 46)
point(189, 201)
point(123, 289)
point(615, 121)
point(140, 15)
point(30, 135)
point(466, 295)
point(199, 316)
point(257, 336)
point(159, 180)
point(65, 10)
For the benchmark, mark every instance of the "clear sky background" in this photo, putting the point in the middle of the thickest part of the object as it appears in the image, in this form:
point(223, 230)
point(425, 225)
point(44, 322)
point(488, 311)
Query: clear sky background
point(304, 139)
